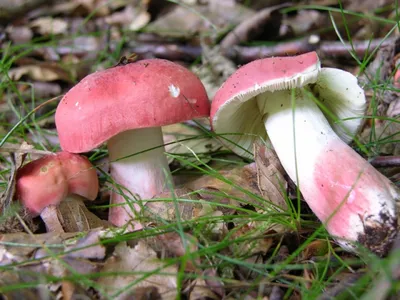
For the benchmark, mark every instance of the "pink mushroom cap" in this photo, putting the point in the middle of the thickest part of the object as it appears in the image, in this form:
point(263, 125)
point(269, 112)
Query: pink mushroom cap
point(147, 93)
point(264, 74)
point(50, 179)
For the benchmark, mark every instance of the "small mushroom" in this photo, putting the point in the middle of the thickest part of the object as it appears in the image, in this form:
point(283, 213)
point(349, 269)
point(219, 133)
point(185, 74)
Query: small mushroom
point(275, 98)
point(126, 106)
point(44, 183)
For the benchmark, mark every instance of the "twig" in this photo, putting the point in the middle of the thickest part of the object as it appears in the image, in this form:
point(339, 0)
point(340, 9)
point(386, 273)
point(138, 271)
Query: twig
point(168, 51)
point(385, 161)
point(10, 10)
point(265, 18)
point(244, 54)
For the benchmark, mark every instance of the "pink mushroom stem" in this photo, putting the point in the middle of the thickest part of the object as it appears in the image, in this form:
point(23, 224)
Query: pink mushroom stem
point(138, 171)
point(345, 192)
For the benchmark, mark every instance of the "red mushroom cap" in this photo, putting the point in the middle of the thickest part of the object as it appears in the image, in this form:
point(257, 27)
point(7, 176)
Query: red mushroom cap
point(49, 180)
point(268, 74)
point(234, 108)
point(147, 93)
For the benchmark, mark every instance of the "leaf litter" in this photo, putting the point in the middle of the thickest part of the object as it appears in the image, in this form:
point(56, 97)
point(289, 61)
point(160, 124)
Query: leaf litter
point(220, 232)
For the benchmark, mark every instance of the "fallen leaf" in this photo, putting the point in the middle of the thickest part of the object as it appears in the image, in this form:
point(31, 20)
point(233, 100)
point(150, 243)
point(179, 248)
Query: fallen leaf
point(253, 239)
point(143, 293)
point(394, 109)
point(315, 248)
point(11, 10)
point(81, 8)
point(75, 217)
point(133, 18)
point(382, 138)
point(42, 71)
point(163, 207)
point(200, 290)
point(19, 34)
point(48, 255)
point(17, 156)
point(303, 22)
point(171, 244)
point(214, 282)
point(12, 278)
point(146, 271)
point(183, 21)
point(234, 184)
point(214, 70)
point(49, 26)
point(270, 175)
point(198, 145)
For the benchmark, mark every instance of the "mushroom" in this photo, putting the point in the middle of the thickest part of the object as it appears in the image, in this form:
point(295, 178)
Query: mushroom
point(280, 98)
point(126, 106)
point(44, 183)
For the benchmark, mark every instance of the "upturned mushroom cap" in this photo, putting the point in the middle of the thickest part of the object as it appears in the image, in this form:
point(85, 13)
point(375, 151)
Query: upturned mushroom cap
point(50, 179)
point(235, 110)
point(147, 93)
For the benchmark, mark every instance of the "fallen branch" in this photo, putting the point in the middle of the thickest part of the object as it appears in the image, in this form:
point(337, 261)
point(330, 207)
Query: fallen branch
point(386, 161)
point(244, 54)
point(10, 10)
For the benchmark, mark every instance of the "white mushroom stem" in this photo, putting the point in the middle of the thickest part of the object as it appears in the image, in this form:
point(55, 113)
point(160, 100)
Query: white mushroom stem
point(50, 218)
point(354, 200)
point(140, 176)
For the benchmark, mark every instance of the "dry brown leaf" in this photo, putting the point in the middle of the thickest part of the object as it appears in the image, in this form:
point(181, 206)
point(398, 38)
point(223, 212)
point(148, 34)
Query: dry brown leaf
point(180, 131)
point(303, 21)
point(183, 21)
point(82, 8)
point(133, 18)
point(156, 210)
point(41, 72)
point(270, 175)
point(255, 241)
point(49, 26)
point(243, 179)
point(140, 260)
point(24, 148)
point(37, 246)
point(19, 34)
point(11, 10)
point(75, 217)
point(200, 291)
point(40, 249)
point(214, 282)
point(170, 244)
point(10, 278)
point(394, 109)
point(315, 248)
point(17, 157)
point(382, 130)
point(214, 70)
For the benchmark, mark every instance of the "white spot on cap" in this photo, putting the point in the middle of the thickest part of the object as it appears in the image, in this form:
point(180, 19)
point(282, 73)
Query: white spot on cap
point(192, 101)
point(256, 86)
point(174, 91)
point(313, 39)
point(77, 103)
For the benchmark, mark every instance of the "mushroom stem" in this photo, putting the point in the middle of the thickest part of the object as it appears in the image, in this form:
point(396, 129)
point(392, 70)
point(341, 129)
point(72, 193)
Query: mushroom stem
point(50, 218)
point(140, 176)
point(354, 200)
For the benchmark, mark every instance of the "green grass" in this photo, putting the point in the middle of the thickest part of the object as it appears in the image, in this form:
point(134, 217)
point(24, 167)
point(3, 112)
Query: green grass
point(242, 272)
